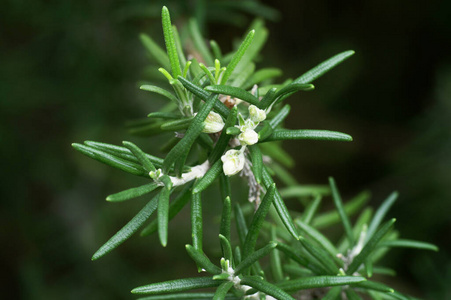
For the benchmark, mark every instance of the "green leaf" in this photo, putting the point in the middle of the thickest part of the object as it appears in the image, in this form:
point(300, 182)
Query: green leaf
point(253, 257)
point(318, 237)
point(111, 160)
point(224, 138)
point(375, 286)
point(233, 130)
point(241, 76)
point(131, 227)
point(222, 290)
point(323, 67)
point(155, 51)
point(187, 296)
point(292, 88)
point(163, 115)
point(307, 134)
point(226, 216)
point(196, 221)
point(216, 49)
point(202, 260)
point(160, 91)
point(370, 246)
point(280, 205)
point(224, 185)
point(262, 75)
point(178, 285)
point(208, 73)
point(237, 56)
point(241, 226)
point(380, 214)
point(318, 282)
point(234, 92)
point(175, 125)
point(163, 214)
point(330, 218)
point(132, 193)
point(321, 255)
point(268, 98)
point(178, 46)
point(280, 116)
point(274, 260)
point(199, 42)
point(343, 216)
point(409, 244)
point(141, 156)
point(204, 95)
point(302, 260)
point(174, 208)
point(209, 177)
point(305, 190)
point(257, 162)
point(191, 134)
point(265, 132)
point(124, 153)
point(226, 248)
point(257, 222)
point(170, 42)
point(265, 287)
point(333, 293)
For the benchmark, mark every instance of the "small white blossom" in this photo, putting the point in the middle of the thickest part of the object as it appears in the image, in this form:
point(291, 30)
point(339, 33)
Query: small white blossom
point(248, 137)
point(233, 162)
point(213, 123)
point(257, 115)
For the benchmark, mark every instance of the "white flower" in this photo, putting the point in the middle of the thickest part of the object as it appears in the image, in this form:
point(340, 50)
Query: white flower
point(248, 137)
point(257, 115)
point(233, 162)
point(213, 123)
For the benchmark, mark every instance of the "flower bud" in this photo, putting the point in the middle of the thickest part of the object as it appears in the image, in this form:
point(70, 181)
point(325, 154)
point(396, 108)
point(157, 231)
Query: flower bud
point(257, 115)
point(232, 162)
point(248, 137)
point(213, 123)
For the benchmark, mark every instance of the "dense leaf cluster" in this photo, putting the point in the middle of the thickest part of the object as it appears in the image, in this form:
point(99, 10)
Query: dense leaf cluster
point(302, 261)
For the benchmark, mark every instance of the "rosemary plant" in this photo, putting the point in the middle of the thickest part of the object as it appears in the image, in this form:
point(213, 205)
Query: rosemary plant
point(234, 114)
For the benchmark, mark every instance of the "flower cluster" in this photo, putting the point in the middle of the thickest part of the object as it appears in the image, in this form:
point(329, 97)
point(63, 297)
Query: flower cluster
point(233, 160)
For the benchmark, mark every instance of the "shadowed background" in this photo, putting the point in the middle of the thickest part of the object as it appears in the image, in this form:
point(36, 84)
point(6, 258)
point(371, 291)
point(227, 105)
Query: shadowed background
point(68, 73)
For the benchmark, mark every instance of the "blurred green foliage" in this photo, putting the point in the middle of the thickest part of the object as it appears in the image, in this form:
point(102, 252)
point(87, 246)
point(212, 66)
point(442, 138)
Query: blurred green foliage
point(68, 72)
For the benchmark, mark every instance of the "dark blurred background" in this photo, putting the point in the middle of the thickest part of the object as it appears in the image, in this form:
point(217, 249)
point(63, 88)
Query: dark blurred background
point(68, 73)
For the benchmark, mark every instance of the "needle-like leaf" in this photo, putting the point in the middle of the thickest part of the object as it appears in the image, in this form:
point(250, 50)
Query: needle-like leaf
point(265, 287)
point(131, 227)
point(199, 42)
point(111, 160)
point(409, 244)
point(318, 282)
point(343, 216)
point(321, 255)
point(163, 212)
point(234, 92)
point(141, 156)
point(170, 42)
point(380, 214)
point(160, 91)
point(132, 193)
point(179, 285)
point(307, 134)
point(280, 205)
point(257, 162)
point(174, 208)
point(208, 178)
point(369, 246)
point(253, 257)
point(155, 50)
point(202, 260)
point(237, 56)
point(196, 221)
point(257, 222)
point(204, 95)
